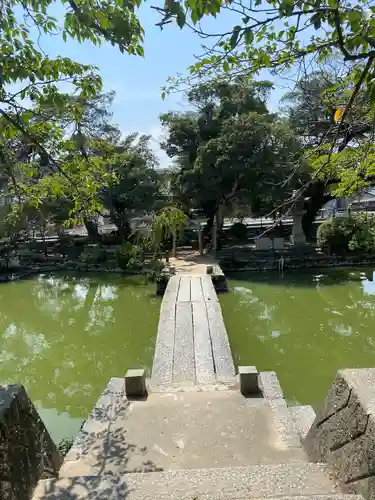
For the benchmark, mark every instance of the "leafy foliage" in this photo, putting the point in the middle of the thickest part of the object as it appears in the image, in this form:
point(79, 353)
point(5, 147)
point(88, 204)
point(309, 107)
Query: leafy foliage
point(238, 231)
point(135, 188)
point(168, 221)
point(129, 257)
point(231, 151)
point(336, 233)
point(343, 234)
point(273, 34)
point(41, 128)
point(364, 237)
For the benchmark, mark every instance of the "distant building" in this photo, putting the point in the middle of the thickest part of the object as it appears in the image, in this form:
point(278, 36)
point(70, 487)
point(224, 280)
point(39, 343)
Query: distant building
point(364, 201)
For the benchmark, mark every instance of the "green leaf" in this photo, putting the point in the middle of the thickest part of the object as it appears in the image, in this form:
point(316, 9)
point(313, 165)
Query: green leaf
point(235, 35)
point(249, 36)
point(226, 66)
point(194, 16)
point(181, 17)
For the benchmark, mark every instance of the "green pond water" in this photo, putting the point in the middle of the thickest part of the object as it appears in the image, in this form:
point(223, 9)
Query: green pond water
point(64, 337)
point(303, 325)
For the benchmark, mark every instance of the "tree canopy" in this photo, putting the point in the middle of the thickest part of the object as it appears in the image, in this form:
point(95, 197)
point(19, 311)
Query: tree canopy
point(30, 87)
point(230, 150)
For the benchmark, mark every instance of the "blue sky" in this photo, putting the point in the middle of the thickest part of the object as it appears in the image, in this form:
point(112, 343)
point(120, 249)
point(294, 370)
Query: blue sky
point(137, 81)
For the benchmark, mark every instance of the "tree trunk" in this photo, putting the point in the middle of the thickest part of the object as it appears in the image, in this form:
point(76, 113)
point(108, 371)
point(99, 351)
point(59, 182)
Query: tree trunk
point(214, 236)
point(92, 229)
point(317, 200)
point(200, 240)
point(174, 244)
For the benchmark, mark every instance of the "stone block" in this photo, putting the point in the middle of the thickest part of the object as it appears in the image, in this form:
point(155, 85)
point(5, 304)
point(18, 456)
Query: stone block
point(248, 380)
point(263, 243)
point(27, 451)
point(135, 383)
point(343, 433)
point(278, 243)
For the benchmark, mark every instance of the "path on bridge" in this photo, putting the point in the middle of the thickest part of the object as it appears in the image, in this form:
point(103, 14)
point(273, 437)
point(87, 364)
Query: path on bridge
point(192, 343)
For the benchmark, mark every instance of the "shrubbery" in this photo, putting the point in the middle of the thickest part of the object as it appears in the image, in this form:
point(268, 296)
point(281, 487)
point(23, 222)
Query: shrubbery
point(345, 234)
point(238, 232)
point(129, 257)
point(112, 238)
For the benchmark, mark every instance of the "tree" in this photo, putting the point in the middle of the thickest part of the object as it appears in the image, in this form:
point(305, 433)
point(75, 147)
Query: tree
point(169, 223)
point(334, 170)
point(27, 75)
point(136, 184)
point(230, 151)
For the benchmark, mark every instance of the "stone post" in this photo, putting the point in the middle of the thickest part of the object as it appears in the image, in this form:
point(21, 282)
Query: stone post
point(248, 380)
point(135, 384)
point(298, 236)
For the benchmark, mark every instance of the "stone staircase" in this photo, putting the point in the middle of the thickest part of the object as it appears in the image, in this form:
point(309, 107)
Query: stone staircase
point(192, 443)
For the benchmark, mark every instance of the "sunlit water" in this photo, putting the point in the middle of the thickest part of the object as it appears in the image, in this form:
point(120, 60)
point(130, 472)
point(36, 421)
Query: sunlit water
point(64, 337)
point(303, 325)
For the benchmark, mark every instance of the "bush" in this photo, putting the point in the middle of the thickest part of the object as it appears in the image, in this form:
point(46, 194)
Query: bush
point(112, 238)
point(238, 232)
point(99, 256)
point(81, 241)
point(363, 239)
point(345, 234)
point(336, 233)
point(129, 257)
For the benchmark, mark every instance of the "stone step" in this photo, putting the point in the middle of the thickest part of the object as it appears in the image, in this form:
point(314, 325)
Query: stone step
point(303, 417)
point(182, 430)
point(209, 484)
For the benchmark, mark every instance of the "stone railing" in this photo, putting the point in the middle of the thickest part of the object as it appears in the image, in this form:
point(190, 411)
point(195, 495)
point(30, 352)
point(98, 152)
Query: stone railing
point(27, 452)
point(343, 432)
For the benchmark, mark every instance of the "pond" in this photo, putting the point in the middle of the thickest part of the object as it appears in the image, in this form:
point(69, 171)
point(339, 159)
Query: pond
point(304, 325)
point(64, 337)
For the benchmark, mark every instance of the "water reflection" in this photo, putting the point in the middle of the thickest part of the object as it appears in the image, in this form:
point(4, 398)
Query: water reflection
point(303, 325)
point(63, 337)
point(369, 284)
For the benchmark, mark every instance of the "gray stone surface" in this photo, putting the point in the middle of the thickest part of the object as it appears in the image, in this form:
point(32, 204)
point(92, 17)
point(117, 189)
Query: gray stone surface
point(162, 368)
point(248, 380)
point(27, 451)
point(196, 292)
point(270, 385)
point(135, 383)
point(192, 345)
point(268, 481)
point(177, 430)
point(209, 293)
point(283, 422)
point(184, 294)
point(204, 365)
point(303, 418)
point(184, 362)
point(343, 432)
point(222, 354)
point(172, 289)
